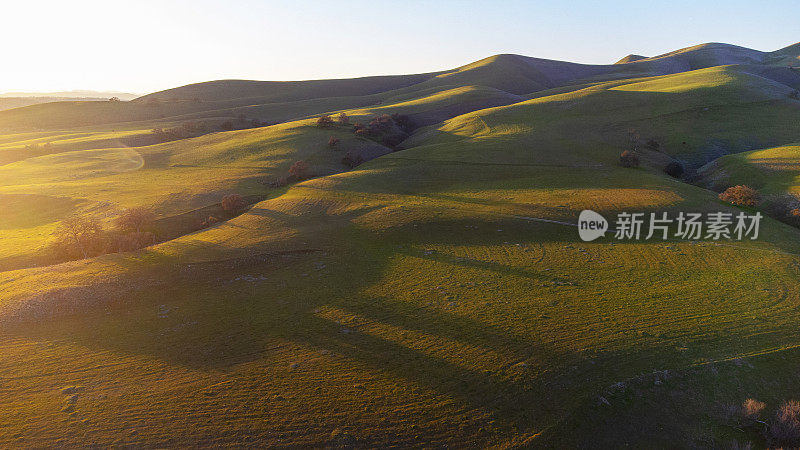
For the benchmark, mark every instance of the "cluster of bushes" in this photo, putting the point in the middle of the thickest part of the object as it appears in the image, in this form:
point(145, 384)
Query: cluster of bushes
point(324, 121)
point(298, 171)
point(186, 130)
point(327, 121)
point(635, 141)
point(630, 159)
point(232, 205)
point(780, 431)
point(208, 221)
point(80, 237)
point(740, 195)
point(352, 159)
point(83, 237)
point(387, 129)
point(782, 207)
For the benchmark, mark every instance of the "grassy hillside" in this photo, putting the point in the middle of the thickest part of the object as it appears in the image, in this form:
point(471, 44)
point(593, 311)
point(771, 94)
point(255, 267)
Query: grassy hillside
point(770, 170)
point(402, 301)
point(434, 296)
point(172, 178)
point(696, 116)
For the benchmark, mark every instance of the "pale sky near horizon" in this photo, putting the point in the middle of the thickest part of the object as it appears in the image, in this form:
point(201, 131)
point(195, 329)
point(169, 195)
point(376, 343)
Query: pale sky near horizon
point(148, 45)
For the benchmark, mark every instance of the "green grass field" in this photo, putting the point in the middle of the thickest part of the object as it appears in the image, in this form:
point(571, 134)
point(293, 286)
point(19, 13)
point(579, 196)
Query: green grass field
point(435, 295)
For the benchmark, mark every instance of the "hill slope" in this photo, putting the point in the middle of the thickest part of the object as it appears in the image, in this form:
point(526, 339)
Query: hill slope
point(434, 296)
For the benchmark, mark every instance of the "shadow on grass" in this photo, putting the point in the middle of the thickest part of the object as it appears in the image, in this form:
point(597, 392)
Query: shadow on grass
point(225, 313)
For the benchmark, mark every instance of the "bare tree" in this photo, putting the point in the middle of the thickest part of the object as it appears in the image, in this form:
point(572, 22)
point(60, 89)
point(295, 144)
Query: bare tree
point(233, 203)
point(81, 235)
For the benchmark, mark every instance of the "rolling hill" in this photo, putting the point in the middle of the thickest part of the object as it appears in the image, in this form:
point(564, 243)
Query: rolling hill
point(281, 101)
point(435, 293)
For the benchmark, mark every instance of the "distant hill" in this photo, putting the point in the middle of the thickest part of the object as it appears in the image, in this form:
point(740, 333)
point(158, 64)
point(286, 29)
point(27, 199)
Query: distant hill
point(630, 58)
point(708, 55)
point(19, 102)
point(274, 91)
point(73, 95)
point(279, 101)
point(10, 100)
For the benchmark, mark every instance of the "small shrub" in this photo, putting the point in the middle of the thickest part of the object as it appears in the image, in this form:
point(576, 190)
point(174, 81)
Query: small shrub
point(751, 410)
point(785, 429)
point(233, 203)
point(113, 99)
point(629, 159)
point(135, 220)
point(358, 127)
point(352, 159)
point(795, 212)
point(343, 119)
point(332, 142)
point(211, 220)
point(324, 121)
point(674, 169)
point(299, 170)
point(740, 195)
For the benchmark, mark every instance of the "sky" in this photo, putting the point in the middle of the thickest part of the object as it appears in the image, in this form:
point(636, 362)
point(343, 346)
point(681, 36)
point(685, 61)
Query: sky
point(145, 45)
